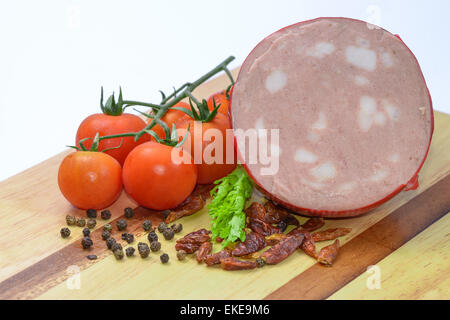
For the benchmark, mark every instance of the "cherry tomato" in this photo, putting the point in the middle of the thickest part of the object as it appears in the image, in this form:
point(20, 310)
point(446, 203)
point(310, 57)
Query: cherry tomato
point(208, 172)
point(170, 118)
point(219, 98)
point(154, 180)
point(110, 125)
point(90, 180)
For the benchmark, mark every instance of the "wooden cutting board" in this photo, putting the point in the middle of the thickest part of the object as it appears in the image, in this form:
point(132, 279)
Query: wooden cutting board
point(406, 239)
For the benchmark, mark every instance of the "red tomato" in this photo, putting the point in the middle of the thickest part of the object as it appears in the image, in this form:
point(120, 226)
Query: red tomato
point(153, 180)
point(170, 118)
point(219, 98)
point(208, 172)
point(107, 125)
point(90, 180)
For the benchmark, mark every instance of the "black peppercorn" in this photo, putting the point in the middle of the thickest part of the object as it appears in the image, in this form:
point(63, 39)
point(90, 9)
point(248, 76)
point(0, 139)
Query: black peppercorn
point(177, 227)
point(65, 232)
point(91, 213)
point(164, 258)
point(86, 242)
point(162, 226)
point(128, 237)
point(143, 249)
point(155, 246)
point(105, 214)
point(91, 223)
point(147, 224)
point(116, 246)
point(71, 220)
point(128, 212)
point(110, 242)
point(121, 224)
point(107, 227)
point(168, 234)
point(86, 232)
point(105, 235)
point(91, 257)
point(129, 251)
point(81, 222)
point(152, 236)
point(181, 254)
point(260, 262)
point(118, 253)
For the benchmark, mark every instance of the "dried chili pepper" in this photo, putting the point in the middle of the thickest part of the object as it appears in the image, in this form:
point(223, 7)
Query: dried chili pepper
point(308, 245)
point(65, 232)
point(256, 211)
point(232, 264)
point(192, 241)
point(282, 249)
point(328, 254)
point(91, 213)
point(204, 250)
point(262, 227)
point(71, 220)
point(215, 258)
point(253, 242)
point(313, 224)
point(273, 239)
point(330, 234)
point(190, 206)
point(105, 214)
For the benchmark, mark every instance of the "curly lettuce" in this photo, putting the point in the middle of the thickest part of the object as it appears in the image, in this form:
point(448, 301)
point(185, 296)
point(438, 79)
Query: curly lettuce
point(227, 206)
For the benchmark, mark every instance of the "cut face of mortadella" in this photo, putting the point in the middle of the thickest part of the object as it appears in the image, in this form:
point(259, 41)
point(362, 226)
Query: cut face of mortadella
point(353, 112)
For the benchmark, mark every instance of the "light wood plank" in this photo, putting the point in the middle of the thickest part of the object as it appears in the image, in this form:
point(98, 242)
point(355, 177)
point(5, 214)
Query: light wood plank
point(418, 270)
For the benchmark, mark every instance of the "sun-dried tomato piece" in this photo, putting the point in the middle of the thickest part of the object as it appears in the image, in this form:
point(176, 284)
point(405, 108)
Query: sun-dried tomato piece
point(256, 211)
point(282, 249)
point(313, 224)
point(215, 258)
point(308, 245)
point(204, 251)
point(328, 254)
point(231, 264)
point(262, 227)
point(253, 242)
point(194, 203)
point(192, 241)
point(330, 234)
point(273, 239)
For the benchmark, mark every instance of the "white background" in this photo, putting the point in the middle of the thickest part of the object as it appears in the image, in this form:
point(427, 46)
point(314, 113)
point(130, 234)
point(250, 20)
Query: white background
point(55, 55)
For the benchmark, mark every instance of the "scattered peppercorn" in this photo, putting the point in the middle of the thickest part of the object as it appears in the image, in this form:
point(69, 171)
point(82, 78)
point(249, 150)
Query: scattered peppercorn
point(71, 220)
point(164, 258)
point(147, 224)
point(155, 246)
point(91, 223)
point(107, 227)
point(81, 222)
point(65, 232)
point(92, 257)
point(118, 253)
point(86, 242)
point(168, 234)
point(116, 246)
point(105, 235)
point(129, 251)
point(128, 237)
point(181, 254)
point(110, 242)
point(162, 226)
point(128, 212)
point(260, 262)
point(105, 214)
point(91, 213)
point(86, 232)
point(152, 236)
point(121, 224)
point(177, 227)
point(143, 249)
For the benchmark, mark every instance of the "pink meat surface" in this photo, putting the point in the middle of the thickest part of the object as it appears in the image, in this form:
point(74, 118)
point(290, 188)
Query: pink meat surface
point(352, 107)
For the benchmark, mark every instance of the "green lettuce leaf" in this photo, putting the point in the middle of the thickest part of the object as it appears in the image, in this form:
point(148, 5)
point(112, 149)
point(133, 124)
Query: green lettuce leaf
point(227, 205)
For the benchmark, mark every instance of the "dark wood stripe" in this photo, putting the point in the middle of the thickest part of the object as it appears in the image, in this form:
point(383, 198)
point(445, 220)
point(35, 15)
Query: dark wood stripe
point(371, 246)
